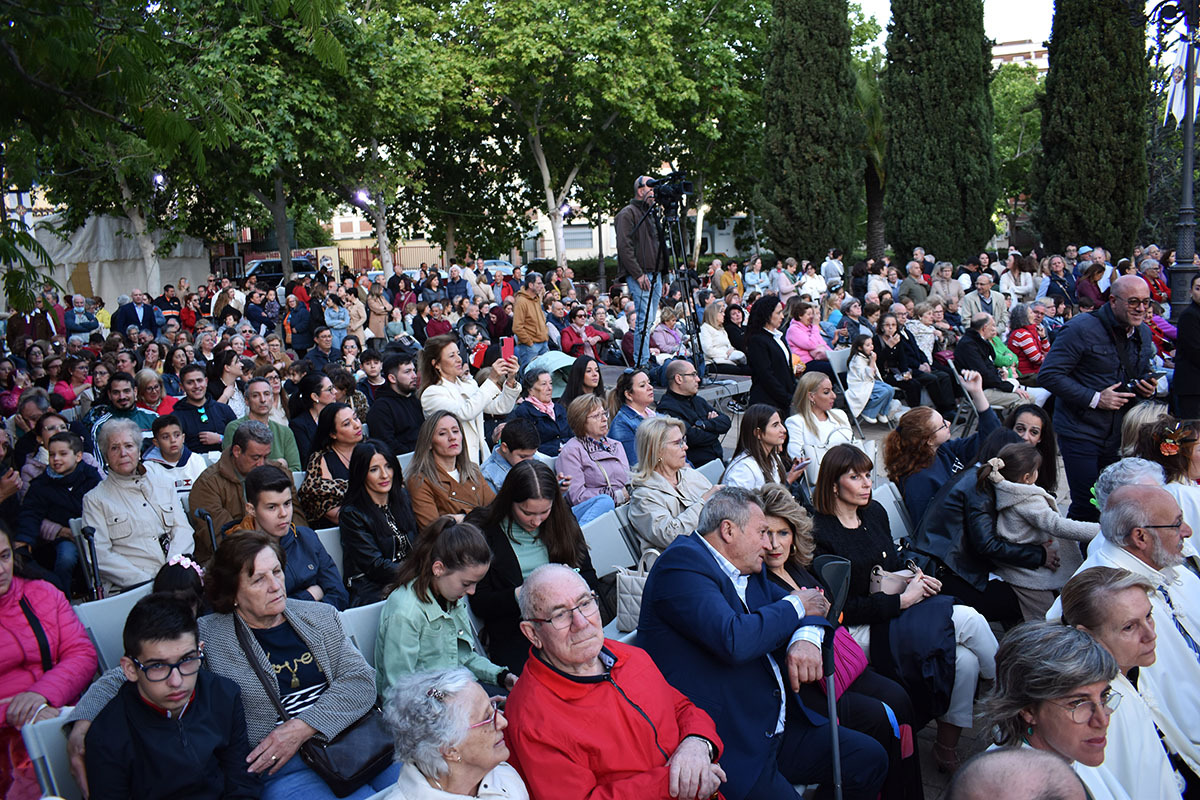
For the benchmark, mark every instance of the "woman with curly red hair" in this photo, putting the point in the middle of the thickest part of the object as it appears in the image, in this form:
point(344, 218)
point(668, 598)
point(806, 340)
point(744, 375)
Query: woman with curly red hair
point(920, 456)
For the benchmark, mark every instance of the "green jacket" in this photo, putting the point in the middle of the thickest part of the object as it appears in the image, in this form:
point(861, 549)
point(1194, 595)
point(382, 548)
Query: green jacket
point(283, 442)
point(417, 637)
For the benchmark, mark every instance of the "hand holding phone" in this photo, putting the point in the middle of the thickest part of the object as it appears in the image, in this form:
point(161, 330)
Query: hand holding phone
point(506, 347)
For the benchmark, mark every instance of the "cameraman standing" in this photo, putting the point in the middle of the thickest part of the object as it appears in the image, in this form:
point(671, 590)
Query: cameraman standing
point(637, 258)
point(1097, 369)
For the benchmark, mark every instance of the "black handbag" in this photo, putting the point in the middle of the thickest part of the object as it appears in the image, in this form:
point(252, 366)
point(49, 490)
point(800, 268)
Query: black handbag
point(350, 759)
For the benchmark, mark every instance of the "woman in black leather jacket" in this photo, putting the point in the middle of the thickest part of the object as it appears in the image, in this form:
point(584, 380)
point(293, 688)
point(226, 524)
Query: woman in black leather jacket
point(377, 522)
point(959, 533)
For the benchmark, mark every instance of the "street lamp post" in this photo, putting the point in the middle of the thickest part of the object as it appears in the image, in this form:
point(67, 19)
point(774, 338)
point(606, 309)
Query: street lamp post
point(1166, 16)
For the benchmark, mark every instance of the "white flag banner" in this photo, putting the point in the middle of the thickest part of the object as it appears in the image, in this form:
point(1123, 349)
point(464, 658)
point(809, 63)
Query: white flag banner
point(1177, 89)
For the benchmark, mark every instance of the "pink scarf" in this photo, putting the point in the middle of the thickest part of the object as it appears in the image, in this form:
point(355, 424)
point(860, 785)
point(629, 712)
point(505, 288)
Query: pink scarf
point(545, 408)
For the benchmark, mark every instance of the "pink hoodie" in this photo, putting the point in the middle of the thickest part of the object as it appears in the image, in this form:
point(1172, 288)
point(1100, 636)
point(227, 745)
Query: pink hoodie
point(804, 339)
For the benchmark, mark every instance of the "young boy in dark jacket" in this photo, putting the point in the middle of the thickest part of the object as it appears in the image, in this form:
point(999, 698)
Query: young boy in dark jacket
point(54, 498)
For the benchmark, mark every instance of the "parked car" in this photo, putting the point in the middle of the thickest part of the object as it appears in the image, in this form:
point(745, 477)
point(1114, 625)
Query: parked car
point(269, 271)
point(495, 265)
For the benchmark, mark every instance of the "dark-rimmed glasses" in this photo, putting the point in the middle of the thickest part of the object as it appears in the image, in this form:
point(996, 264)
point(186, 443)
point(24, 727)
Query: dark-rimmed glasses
point(161, 671)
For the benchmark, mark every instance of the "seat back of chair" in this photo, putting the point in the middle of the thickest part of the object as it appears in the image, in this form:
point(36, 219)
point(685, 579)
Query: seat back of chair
point(105, 623)
point(46, 744)
point(331, 540)
point(362, 626)
point(607, 545)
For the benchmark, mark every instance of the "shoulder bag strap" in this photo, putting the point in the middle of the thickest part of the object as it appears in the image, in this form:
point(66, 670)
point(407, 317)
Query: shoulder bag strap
point(39, 633)
point(271, 689)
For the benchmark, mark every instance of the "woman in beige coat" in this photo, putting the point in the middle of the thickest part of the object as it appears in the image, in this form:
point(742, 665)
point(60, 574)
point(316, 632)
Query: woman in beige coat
point(358, 316)
point(378, 310)
point(667, 494)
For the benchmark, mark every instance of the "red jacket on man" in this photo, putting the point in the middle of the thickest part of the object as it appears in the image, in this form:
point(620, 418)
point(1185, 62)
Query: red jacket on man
point(602, 738)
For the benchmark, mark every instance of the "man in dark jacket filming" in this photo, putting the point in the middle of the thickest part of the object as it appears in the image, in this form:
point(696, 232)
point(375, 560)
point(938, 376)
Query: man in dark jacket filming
point(637, 260)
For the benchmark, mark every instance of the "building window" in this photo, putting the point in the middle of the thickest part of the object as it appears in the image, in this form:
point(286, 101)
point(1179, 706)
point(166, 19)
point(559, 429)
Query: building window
point(577, 237)
point(346, 227)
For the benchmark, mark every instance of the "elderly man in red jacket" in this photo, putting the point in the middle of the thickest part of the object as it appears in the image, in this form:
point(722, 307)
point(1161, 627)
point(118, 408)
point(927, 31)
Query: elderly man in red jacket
point(595, 719)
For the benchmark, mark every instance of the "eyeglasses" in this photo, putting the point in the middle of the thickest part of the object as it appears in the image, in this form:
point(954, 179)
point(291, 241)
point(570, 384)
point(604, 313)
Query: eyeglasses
point(561, 619)
point(601, 414)
point(161, 671)
point(1135, 302)
point(676, 443)
point(490, 720)
point(1082, 711)
point(1176, 526)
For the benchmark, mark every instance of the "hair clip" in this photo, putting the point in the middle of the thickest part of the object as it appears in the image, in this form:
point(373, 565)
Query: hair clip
point(186, 563)
point(1174, 436)
point(436, 693)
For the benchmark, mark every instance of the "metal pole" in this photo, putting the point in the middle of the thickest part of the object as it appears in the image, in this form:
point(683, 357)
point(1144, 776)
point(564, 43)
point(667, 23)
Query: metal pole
point(1181, 274)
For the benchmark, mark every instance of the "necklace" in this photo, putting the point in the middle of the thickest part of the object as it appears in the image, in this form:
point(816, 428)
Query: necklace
point(401, 546)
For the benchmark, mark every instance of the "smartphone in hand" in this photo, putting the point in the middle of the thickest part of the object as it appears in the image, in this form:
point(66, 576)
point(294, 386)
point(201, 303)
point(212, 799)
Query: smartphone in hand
point(506, 347)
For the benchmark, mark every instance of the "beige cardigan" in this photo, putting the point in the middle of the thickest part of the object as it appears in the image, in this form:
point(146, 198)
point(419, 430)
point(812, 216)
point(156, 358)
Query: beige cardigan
point(659, 512)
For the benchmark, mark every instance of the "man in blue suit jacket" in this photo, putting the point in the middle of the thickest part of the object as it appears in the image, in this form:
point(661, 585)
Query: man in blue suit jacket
point(722, 633)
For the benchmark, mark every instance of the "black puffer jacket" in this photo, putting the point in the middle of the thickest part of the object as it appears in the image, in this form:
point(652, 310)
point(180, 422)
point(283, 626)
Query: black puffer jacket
point(959, 532)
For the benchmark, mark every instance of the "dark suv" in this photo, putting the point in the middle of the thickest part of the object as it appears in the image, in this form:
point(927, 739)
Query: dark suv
point(269, 271)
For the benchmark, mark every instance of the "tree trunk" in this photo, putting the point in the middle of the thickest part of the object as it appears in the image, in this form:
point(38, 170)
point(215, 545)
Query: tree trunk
point(141, 234)
point(450, 243)
point(279, 216)
point(698, 185)
point(876, 236)
point(600, 250)
point(379, 216)
point(560, 239)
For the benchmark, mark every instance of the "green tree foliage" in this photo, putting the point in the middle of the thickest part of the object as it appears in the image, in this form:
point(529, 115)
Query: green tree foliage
point(941, 173)
point(1090, 179)
point(812, 130)
point(1017, 134)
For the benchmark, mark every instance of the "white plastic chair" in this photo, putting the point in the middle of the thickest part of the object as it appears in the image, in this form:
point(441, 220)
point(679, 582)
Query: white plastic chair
point(549, 461)
point(608, 547)
point(331, 540)
point(105, 623)
point(405, 459)
point(298, 478)
point(362, 626)
point(840, 361)
point(712, 471)
point(46, 743)
point(888, 496)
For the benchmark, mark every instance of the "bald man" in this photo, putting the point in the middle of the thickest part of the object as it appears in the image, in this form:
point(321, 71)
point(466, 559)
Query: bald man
point(1016, 774)
point(1099, 368)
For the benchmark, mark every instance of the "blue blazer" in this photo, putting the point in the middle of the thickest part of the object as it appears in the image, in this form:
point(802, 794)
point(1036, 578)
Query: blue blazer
point(709, 647)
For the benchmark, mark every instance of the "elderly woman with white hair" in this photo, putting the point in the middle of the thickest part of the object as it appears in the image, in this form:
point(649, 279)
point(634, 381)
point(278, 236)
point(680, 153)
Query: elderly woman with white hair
point(450, 739)
point(137, 515)
point(1113, 607)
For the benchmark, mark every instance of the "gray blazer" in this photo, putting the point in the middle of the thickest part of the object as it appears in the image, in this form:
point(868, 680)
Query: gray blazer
point(351, 691)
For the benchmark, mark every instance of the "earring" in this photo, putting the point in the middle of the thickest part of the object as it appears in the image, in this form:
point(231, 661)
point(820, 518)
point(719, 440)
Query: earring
point(1029, 730)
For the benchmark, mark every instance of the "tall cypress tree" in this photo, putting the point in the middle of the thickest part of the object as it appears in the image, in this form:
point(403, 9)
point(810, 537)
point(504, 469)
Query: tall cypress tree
point(1090, 182)
point(812, 165)
point(941, 174)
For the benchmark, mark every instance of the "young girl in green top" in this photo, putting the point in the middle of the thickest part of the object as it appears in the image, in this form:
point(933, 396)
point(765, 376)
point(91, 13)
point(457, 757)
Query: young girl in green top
point(424, 623)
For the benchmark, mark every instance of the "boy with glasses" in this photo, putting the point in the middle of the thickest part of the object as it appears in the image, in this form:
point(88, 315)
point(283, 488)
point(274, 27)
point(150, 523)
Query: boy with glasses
point(174, 729)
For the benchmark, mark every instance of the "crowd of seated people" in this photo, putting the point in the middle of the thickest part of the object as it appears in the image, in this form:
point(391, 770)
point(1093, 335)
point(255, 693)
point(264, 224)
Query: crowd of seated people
point(215, 460)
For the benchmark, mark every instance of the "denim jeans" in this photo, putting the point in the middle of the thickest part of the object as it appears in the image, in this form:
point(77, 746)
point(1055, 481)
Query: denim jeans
point(66, 556)
point(296, 780)
point(592, 508)
point(881, 398)
point(528, 352)
point(646, 317)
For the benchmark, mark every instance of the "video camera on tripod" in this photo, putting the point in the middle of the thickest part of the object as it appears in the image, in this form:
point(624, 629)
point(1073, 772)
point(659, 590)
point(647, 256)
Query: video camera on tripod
point(669, 191)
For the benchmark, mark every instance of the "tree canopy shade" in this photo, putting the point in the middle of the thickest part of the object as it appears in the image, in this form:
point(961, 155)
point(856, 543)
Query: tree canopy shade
point(1090, 182)
point(813, 130)
point(941, 173)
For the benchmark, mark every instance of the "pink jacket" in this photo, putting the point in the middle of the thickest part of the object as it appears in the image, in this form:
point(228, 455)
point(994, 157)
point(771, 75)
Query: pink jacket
point(71, 650)
point(804, 339)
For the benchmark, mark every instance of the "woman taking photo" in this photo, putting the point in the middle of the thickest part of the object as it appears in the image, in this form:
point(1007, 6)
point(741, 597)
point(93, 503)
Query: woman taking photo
point(863, 693)
point(629, 405)
point(441, 478)
point(758, 458)
point(804, 338)
point(312, 395)
point(378, 527)
point(584, 378)
point(443, 388)
point(450, 739)
point(1054, 693)
point(424, 624)
point(850, 524)
point(538, 407)
point(328, 476)
point(919, 454)
point(528, 524)
point(323, 680)
point(594, 463)
point(1113, 607)
point(667, 494)
point(815, 425)
point(773, 378)
point(224, 380)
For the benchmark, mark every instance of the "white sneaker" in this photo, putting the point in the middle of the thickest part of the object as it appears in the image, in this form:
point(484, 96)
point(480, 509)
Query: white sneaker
point(882, 419)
